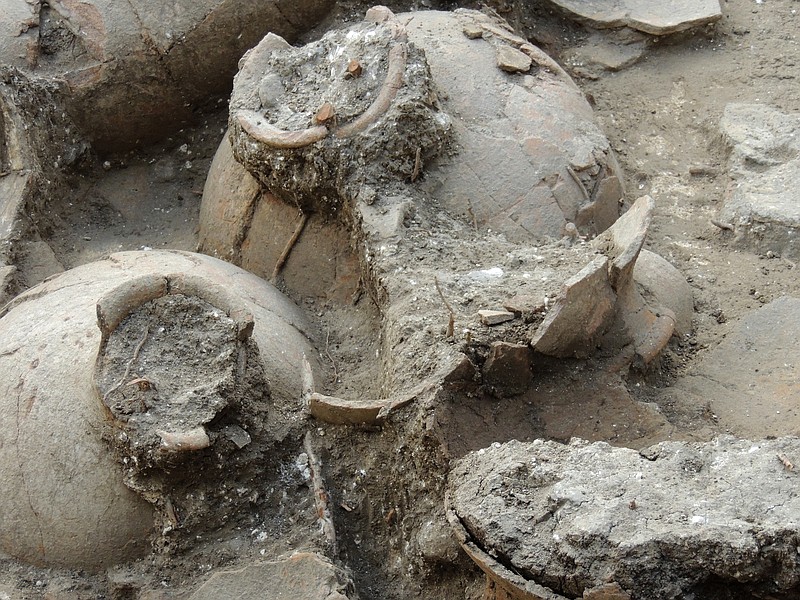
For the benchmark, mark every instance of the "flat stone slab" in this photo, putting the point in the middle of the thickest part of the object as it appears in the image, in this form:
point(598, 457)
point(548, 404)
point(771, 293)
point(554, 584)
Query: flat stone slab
point(650, 16)
point(602, 52)
point(760, 203)
point(303, 575)
point(676, 520)
point(750, 380)
point(512, 60)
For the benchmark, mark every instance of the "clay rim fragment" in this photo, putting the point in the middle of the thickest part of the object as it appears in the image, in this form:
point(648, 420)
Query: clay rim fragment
point(131, 295)
point(256, 126)
point(515, 586)
point(120, 302)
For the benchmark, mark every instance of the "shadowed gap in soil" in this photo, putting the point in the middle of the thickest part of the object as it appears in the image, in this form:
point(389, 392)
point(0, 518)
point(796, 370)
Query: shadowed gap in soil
point(567, 398)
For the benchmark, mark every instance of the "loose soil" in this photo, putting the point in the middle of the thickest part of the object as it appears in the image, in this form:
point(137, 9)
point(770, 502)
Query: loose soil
point(661, 115)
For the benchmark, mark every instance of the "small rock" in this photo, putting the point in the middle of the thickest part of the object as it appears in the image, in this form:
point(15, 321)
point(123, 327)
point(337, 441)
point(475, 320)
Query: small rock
point(473, 31)
point(606, 591)
point(524, 305)
point(437, 544)
point(124, 583)
point(508, 368)
point(367, 194)
point(237, 435)
point(270, 90)
point(378, 14)
point(703, 171)
point(609, 51)
point(354, 69)
point(512, 60)
point(325, 114)
point(165, 171)
point(495, 317)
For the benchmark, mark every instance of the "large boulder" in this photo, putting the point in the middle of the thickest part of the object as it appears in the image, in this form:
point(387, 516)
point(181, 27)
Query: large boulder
point(676, 520)
point(114, 373)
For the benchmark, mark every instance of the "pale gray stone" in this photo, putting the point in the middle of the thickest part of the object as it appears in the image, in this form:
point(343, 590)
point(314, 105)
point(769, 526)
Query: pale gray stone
point(764, 167)
point(676, 520)
point(495, 317)
point(512, 60)
point(303, 575)
point(650, 16)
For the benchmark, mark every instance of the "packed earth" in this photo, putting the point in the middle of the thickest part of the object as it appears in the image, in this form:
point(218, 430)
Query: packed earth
point(329, 300)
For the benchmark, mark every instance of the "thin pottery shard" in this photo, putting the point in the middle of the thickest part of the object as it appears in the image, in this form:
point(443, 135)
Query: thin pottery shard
point(256, 127)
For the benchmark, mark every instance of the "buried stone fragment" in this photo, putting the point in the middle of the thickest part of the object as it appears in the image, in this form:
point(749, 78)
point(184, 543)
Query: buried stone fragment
point(303, 575)
point(494, 317)
point(512, 60)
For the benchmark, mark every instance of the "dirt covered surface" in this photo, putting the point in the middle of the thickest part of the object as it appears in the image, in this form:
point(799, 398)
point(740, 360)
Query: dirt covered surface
point(661, 115)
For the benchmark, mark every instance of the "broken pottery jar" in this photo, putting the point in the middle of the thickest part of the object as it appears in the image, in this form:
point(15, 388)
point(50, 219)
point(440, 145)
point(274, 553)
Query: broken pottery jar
point(134, 374)
point(649, 16)
point(525, 156)
point(549, 521)
point(453, 206)
point(130, 72)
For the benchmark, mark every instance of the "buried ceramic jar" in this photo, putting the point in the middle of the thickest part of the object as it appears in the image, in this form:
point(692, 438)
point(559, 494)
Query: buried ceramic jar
point(139, 372)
